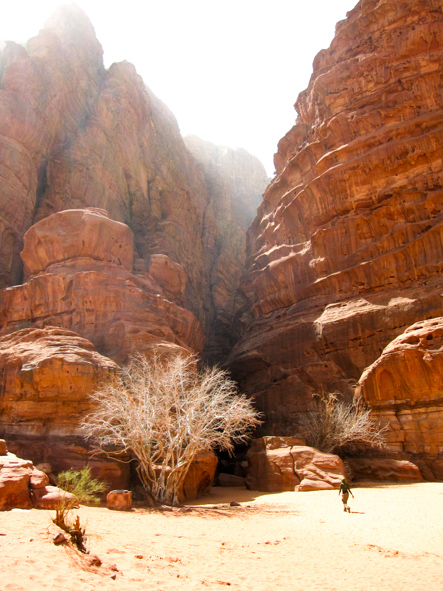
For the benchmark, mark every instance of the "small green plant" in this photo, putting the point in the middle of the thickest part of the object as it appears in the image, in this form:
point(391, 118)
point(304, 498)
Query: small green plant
point(83, 489)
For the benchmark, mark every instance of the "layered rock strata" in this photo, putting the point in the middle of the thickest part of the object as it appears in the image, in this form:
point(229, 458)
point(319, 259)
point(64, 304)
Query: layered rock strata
point(115, 221)
point(124, 238)
point(277, 464)
point(46, 376)
point(376, 469)
point(346, 251)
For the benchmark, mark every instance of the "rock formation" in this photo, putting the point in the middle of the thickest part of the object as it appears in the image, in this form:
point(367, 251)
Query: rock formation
point(385, 469)
point(22, 486)
point(284, 463)
point(46, 376)
point(346, 251)
point(74, 135)
point(78, 275)
point(78, 267)
point(404, 388)
point(236, 181)
point(198, 481)
point(123, 240)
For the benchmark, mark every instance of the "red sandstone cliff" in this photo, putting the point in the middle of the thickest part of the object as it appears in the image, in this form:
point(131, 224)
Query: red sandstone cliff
point(236, 181)
point(125, 244)
point(74, 135)
point(347, 249)
point(79, 275)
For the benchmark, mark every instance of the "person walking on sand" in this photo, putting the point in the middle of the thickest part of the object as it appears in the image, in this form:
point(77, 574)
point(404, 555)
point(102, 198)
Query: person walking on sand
point(345, 490)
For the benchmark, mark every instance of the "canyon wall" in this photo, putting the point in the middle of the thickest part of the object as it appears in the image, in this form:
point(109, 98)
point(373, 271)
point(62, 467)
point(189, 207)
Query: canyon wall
point(236, 182)
point(114, 239)
point(346, 251)
point(74, 135)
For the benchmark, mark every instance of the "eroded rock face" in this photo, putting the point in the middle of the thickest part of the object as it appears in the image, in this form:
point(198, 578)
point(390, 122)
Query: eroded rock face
point(115, 221)
point(277, 464)
point(200, 476)
point(347, 249)
point(77, 233)
point(14, 482)
point(46, 376)
point(74, 135)
point(22, 486)
point(236, 182)
point(37, 117)
point(404, 388)
point(77, 280)
point(377, 469)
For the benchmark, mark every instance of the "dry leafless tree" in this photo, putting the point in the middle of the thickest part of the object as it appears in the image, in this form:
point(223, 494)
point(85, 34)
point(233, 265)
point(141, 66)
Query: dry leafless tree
point(164, 411)
point(338, 424)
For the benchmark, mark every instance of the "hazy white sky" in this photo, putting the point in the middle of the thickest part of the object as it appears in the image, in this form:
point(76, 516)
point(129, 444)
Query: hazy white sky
point(229, 70)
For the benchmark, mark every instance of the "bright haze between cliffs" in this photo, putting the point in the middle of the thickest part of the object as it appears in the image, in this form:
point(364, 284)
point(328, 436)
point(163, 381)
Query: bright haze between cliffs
point(230, 70)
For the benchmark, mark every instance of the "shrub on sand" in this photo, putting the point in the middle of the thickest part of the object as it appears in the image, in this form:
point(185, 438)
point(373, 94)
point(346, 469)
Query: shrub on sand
point(164, 411)
point(83, 489)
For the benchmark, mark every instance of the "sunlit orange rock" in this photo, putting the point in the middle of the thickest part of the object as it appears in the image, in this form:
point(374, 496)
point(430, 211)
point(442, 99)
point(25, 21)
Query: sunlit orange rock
point(124, 240)
point(404, 388)
point(74, 135)
point(277, 464)
point(92, 290)
point(384, 469)
point(77, 233)
point(22, 486)
point(346, 251)
point(46, 377)
point(120, 500)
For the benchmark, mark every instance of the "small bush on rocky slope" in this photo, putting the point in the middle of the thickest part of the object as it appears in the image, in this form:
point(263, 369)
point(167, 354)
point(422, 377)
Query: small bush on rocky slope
point(337, 424)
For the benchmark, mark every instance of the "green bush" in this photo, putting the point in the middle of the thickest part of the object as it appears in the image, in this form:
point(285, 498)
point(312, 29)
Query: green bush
point(85, 490)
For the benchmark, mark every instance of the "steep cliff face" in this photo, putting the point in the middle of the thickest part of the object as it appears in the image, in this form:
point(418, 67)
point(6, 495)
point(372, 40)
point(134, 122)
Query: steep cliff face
point(74, 135)
point(47, 92)
point(236, 182)
point(125, 241)
point(347, 249)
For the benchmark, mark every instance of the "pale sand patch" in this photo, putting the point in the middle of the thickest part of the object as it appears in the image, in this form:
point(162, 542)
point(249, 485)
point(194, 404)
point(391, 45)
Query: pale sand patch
point(286, 541)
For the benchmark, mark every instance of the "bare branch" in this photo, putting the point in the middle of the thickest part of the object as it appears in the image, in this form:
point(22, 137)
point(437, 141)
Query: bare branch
point(164, 410)
point(337, 424)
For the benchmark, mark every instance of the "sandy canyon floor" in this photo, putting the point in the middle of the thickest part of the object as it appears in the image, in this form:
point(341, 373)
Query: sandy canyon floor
point(393, 539)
